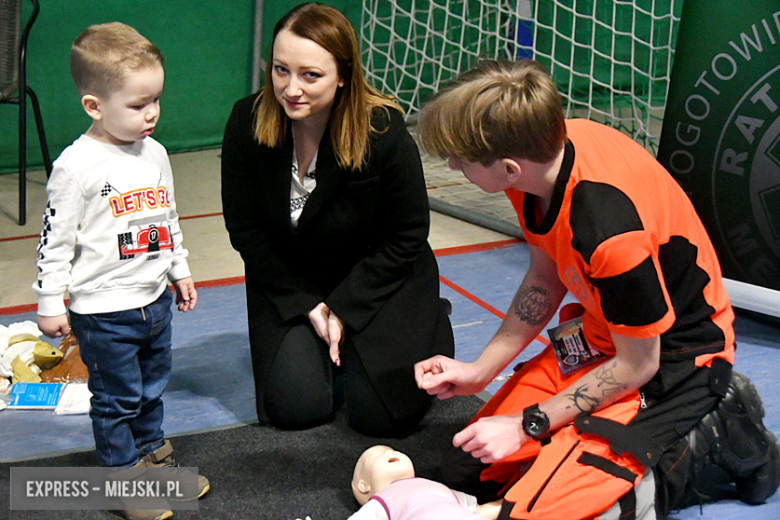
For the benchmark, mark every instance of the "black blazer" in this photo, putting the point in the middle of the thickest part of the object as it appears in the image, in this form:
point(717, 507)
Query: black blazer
point(360, 246)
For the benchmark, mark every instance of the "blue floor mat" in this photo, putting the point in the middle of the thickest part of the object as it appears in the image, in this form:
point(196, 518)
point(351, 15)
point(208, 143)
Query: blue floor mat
point(212, 384)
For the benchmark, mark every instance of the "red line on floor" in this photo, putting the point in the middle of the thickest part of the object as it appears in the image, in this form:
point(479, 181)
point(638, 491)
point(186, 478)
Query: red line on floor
point(27, 237)
point(447, 185)
point(24, 237)
point(463, 292)
point(447, 251)
point(201, 216)
point(474, 248)
point(220, 282)
point(223, 282)
point(19, 309)
point(460, 290)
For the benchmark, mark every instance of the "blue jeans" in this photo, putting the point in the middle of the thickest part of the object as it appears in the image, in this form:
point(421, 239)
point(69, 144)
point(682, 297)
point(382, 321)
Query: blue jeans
point(128, 356)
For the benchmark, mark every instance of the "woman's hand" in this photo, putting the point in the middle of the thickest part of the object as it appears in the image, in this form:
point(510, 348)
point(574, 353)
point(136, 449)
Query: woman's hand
point(335, 337)
point(329, 327)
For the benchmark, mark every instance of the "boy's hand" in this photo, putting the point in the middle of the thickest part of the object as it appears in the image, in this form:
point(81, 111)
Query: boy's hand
point(54, 326)
point(186, 295)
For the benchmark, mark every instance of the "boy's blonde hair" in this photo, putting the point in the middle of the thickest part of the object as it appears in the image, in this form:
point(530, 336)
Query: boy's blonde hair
point(350, 117)
point(103, 54)
point(498, 109)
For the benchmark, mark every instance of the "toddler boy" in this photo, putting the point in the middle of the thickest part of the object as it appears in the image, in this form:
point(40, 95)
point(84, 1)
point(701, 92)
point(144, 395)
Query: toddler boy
point(111, 239)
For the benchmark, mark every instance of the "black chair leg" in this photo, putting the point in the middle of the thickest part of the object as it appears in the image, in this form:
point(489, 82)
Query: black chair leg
point(22, 160)
point(41, 133)
point(23, 149)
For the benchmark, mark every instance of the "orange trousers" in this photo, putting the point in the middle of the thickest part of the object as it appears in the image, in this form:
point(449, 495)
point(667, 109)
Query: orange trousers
point(576, 476)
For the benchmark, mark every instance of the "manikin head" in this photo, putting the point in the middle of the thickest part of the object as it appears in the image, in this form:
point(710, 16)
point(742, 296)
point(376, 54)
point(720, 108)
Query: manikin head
point(378, 467)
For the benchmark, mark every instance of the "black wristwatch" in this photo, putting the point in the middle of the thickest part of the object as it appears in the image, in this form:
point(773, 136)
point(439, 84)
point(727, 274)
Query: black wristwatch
point(536, 424)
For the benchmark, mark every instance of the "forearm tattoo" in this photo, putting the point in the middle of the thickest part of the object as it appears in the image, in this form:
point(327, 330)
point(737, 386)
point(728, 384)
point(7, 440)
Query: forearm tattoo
point(587, 400)
point(533, 305)
point(608, 383)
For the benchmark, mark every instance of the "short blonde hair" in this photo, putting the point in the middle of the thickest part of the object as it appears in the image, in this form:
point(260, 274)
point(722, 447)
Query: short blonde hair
point(102, 55)
point(498, 109)
point(350, 117)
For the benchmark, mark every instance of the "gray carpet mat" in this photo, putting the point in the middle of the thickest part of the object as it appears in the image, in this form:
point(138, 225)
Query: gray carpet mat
point(259, 472)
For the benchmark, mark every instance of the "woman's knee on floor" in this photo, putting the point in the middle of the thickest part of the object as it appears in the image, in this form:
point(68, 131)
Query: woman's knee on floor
point(299, 388)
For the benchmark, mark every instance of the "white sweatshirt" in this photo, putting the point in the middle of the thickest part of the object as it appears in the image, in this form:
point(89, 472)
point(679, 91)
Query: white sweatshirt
point(111, 235)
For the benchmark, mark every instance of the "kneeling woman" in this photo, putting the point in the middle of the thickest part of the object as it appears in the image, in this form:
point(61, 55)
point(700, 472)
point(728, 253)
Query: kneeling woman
point(324, 197)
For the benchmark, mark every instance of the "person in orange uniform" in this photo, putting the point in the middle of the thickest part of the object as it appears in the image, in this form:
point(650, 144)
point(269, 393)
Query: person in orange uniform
point(567, 437)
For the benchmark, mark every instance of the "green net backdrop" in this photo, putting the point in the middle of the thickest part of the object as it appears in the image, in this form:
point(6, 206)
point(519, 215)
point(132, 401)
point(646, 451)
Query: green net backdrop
point(611, 59)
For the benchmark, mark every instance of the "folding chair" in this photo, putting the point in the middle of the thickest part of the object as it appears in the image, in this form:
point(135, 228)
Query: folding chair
point(13, 86)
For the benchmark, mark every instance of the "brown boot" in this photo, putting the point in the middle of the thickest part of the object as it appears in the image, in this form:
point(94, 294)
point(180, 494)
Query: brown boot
point(162, 457)
point(131, 512)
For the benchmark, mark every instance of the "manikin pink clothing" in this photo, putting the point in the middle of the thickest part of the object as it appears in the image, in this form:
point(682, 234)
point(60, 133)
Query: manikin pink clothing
point(423, 499)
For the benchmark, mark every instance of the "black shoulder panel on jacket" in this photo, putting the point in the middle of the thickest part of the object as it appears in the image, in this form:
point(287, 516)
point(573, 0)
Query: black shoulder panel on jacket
point(634, 298)
point(693, 332)
point(599, 212)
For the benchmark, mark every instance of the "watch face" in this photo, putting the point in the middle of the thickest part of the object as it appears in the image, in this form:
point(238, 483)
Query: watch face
point(534, 428)
point(535, 423)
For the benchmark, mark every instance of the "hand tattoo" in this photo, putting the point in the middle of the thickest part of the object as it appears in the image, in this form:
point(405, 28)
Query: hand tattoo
point(533, 305)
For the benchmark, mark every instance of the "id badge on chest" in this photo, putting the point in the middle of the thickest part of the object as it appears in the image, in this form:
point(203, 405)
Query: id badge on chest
point(571, 349)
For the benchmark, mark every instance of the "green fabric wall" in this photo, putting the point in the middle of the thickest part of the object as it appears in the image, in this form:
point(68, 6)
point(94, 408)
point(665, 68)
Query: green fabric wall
point(275, 9)
point(208, 49)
